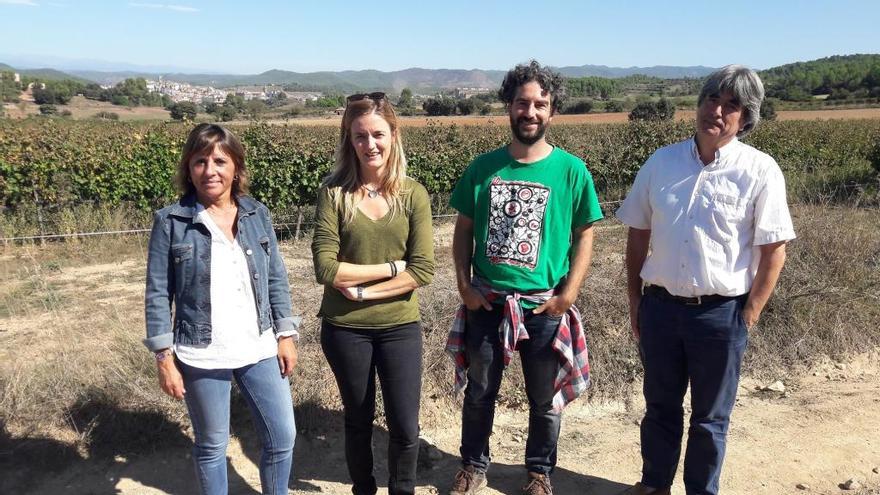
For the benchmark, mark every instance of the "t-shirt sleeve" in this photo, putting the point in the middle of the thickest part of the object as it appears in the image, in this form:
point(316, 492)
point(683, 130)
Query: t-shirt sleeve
point(636, 209)
point(772, 218)
point(463, 195)
point(586, 208)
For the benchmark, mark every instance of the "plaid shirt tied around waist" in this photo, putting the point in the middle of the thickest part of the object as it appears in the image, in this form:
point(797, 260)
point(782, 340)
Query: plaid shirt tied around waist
point(570, 342)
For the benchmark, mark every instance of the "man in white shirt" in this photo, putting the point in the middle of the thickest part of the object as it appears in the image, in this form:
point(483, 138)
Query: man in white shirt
point(714, 213)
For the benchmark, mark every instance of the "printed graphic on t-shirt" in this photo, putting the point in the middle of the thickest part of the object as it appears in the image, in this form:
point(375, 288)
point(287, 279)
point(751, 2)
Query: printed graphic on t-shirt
point(516, 221)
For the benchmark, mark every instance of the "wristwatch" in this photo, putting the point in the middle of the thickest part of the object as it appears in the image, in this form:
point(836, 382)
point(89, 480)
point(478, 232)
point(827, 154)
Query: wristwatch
point(360, 292)
point(163, 355)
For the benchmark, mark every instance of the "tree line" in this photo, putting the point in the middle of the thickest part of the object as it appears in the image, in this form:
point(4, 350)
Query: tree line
point(131, 92)
point(839, 77)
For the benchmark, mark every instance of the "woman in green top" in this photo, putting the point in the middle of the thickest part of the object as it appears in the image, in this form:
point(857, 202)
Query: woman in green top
point(372, 248)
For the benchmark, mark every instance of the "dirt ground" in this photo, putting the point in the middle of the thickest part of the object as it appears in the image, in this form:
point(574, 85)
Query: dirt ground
point(82, 108)
point(820, 433)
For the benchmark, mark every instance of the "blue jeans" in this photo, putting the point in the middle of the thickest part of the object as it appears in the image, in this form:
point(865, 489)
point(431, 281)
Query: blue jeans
point(698, 345)
point(267, 394)
point(540, 365)
point(356, 356)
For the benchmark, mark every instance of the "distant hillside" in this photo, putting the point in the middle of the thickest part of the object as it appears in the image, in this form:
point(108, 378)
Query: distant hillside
point(420, 80)
point(841, 77)
point(659, 71)
point(424, 80)
point(110, 78)
point(45, 74)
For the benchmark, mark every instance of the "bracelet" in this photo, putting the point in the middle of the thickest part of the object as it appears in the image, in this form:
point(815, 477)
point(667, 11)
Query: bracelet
point(360, 292)
point(393, 269)
point(162, 355)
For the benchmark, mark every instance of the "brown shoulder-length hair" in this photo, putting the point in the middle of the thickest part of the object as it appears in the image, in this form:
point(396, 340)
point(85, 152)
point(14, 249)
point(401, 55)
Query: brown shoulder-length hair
point(201, 141)
point(344, 181)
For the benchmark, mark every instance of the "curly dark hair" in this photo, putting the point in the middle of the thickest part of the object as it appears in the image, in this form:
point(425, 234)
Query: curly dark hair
point(550, 81)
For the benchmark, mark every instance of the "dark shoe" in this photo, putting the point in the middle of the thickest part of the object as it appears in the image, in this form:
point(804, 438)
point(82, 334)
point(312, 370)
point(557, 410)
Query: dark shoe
point(467, 481)
point(640, 489)
point(539, 484)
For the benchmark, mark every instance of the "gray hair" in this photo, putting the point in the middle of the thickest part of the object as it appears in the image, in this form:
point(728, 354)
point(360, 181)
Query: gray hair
point(744, 84)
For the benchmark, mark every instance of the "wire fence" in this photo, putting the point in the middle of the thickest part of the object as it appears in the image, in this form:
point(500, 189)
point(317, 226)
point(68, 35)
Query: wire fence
point(282, 223)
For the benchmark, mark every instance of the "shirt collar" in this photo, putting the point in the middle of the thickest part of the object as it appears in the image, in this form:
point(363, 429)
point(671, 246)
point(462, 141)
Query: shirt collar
point(720, 155)
point(188, 207)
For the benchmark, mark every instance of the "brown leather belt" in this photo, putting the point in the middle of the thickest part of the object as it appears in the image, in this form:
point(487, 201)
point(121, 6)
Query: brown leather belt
point(662, 293)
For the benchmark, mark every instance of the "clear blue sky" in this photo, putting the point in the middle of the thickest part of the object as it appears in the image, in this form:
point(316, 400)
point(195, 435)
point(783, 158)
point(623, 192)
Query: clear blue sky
point(305, 36)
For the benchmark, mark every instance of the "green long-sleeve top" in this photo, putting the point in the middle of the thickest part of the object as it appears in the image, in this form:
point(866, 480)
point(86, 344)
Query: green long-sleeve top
point(406, 236)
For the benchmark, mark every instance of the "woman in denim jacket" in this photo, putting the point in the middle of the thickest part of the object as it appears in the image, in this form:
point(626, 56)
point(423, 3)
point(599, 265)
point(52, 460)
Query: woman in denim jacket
point(214, 255)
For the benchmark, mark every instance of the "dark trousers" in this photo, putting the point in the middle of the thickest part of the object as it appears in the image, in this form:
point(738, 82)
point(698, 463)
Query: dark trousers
point(356, 356)
point(700, 345)
point(540, 365)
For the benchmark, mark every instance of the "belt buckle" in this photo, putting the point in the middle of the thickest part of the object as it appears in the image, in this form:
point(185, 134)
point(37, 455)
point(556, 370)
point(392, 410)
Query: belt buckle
point(699, 301)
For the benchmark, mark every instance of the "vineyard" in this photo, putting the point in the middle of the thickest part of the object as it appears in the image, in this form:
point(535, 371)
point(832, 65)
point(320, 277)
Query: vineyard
point(59, 165)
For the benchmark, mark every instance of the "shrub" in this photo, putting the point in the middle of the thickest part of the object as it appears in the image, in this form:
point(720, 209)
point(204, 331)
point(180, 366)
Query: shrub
point(613, 106)
point(442, 105)
point(105, 115)
point(47, 109)
point(659, 110)
point(184, 110)
point(768, 110)
point(575, 107)
point(120, 100)
point(874, 155)
point(467, 106)
point(226, 113)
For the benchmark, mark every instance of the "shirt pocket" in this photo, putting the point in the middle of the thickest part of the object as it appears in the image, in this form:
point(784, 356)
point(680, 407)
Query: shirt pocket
point(181, 253)
point(264, 243)
point(181, 256)
point(728, 213)
point(265, 263)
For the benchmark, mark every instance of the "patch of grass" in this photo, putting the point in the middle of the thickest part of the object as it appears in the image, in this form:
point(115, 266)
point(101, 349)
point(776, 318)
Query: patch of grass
point(828, 299)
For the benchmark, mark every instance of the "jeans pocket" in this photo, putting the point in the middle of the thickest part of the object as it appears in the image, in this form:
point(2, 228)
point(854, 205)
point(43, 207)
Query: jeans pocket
point(556, 318)
point(640, 312)
point(740, 310)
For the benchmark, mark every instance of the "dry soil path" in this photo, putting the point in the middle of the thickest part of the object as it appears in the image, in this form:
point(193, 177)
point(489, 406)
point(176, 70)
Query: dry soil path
point(822, 431)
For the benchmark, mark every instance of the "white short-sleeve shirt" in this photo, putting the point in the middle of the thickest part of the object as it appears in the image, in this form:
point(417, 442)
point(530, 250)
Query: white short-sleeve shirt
point(707, 222)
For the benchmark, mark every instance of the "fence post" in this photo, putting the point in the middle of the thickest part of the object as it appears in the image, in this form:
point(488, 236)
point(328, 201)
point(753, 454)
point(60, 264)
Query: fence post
point(40, 217)
point(299, 218)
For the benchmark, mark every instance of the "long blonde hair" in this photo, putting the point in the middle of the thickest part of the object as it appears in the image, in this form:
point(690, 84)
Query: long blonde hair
point(344, 182)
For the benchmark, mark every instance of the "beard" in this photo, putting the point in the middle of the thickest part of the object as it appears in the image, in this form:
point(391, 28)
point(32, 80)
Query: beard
point(521, 136)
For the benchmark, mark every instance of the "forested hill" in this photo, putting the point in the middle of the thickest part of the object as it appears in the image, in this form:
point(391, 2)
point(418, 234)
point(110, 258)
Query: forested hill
point(840, 76)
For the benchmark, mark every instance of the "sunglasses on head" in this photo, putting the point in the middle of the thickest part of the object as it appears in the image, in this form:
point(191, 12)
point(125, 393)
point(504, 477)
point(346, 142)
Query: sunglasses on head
point(375, 96)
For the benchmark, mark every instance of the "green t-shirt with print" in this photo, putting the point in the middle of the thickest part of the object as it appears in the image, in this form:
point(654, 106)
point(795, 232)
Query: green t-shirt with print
point(523, 215)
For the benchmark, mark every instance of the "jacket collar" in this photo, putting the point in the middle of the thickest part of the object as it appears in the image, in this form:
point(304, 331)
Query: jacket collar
point(187, 207)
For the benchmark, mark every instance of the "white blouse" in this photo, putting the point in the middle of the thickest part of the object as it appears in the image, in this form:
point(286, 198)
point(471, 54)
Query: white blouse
point(236, 340)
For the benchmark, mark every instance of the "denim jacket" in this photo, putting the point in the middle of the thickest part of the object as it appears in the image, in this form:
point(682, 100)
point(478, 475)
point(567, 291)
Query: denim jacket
point(179, 272)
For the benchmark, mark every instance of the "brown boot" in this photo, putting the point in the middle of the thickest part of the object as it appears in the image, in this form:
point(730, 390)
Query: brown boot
point(467, 481)
point(640, 489)
point(539, 484)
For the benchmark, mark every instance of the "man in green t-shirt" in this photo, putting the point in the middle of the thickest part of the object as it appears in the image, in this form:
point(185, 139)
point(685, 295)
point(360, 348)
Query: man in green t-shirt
point(522, 247)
